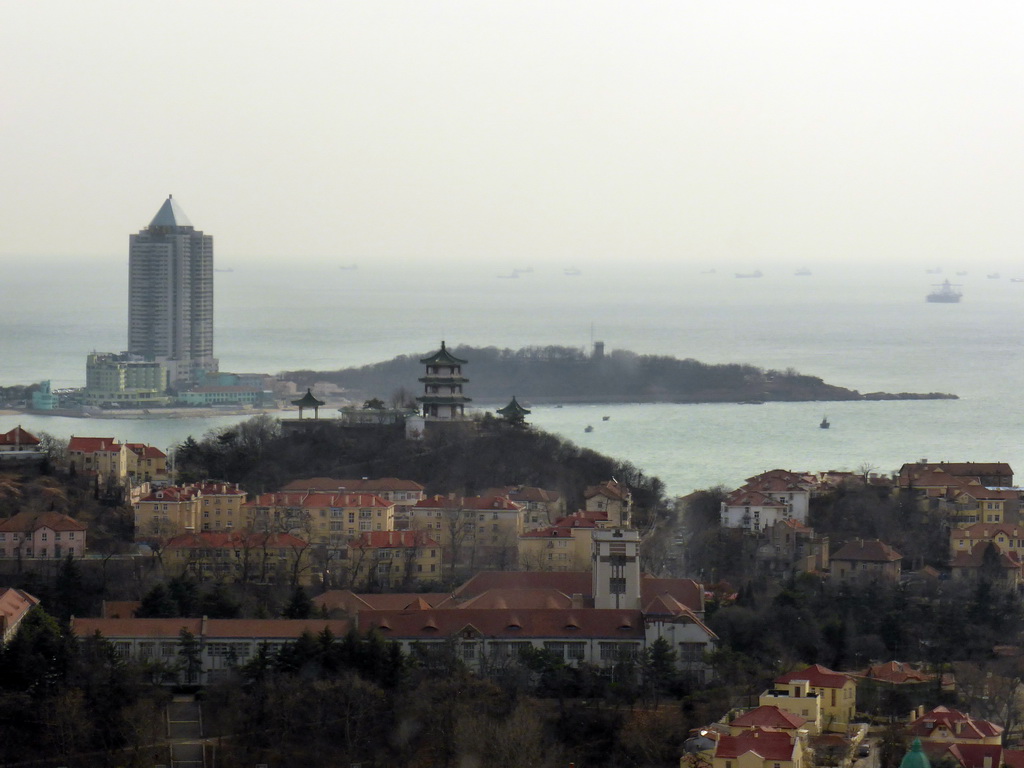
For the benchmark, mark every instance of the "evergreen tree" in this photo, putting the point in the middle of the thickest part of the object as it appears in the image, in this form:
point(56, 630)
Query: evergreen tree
point(300, 606)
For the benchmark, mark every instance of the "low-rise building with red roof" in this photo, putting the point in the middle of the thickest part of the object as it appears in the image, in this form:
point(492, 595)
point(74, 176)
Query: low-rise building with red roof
point(836, 693)
point(945, 725)
point(42, 535)
point(865, 560)
point(758, 748)
point(18, 439)
point(564, 546)
point(611, 497)
point(542, 507)
point(103, 456)
point(147, 463)
point(768, 717)
point(14, 606)
point(220, 645)
point(986, 561)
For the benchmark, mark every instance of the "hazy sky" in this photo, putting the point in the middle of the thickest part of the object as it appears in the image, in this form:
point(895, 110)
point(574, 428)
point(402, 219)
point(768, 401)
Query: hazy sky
point(517, 132)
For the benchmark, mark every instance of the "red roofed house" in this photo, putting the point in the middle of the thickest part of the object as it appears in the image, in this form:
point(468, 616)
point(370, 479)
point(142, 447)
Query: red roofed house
point(42, 535)
point(387, 559)
point(17, 440)
point(611, 497)
point(103, 456)
point(758, 748)
point(167, 512)
point(14, 606)
point(146, 463)
point(865, 559)
point(987, 561)
point(480, 532)
point(769, 717)
point(836, 693)
point(951, 726)
point(222, 644)
point(1006, 537)
point(278, 558)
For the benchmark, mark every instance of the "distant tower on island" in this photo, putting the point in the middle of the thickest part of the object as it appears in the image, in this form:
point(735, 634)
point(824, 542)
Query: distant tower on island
point(442, 397)
point(170, 295)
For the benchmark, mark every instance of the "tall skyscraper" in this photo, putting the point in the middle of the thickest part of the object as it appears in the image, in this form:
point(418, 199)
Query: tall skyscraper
point(170, 295)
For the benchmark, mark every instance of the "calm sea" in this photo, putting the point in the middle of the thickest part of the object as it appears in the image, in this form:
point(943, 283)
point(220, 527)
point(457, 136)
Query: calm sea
point(868, 329)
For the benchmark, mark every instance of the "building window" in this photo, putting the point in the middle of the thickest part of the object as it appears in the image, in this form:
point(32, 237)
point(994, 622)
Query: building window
point(617, 585)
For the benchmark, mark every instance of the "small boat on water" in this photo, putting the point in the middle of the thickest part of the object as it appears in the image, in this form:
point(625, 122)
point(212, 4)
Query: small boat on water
point(755, 273)
point(589, 428)
point(944, 293)
point(824, 423)
point(605, 418)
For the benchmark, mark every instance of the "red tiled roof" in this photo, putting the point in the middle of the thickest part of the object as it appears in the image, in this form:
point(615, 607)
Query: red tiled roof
point(120, 609)
point(566, 582)
point(175, 493)
point(144, 451)
point(976, 557)
point(769, 745)
point(33, 521)
point(769, 717)
point(963, 725)
point(745, 497)
point(896, 673)
point(611, 489)
point(18, 436)
point(210, 488)
point(867, 550)
point(817, 675)
point(348, 601)
point(94, 445)
point(506, 623)
point(473, 503)
point(516, 599)
point(14, 604)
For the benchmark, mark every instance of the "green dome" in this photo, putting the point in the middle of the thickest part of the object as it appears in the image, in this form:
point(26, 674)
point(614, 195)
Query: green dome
point(915, 757)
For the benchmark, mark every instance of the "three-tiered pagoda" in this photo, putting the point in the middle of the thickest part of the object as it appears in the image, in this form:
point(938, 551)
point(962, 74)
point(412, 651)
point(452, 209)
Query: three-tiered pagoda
point(442, 396)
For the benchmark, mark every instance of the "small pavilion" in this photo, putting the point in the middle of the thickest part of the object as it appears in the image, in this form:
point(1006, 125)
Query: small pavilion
point(514, 413)
point(308, 401)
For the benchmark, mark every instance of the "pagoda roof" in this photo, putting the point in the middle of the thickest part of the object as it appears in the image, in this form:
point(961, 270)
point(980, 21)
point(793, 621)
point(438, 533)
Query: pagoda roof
point(443, 399)
point(513, 409)
point(443, 357)
point(170, 215)
point(308, 401)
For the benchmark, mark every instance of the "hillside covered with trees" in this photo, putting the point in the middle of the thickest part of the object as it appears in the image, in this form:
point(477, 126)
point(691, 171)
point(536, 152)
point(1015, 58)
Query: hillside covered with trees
point(569, 374)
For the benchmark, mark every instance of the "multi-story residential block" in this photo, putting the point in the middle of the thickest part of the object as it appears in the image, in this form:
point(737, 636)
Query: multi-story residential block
point(167, 512)
point(404, 494)
point(866, 559)
point(14, 606)
point(943, 475)
point(264, 558)
point(170, 295)
point(1006, 537)
point(978, 504)
point(330, 519)
point(125, 380)
point(478, 531)
point(221, 506)
point(614, 499)
point(200, 651)
point(798, 698)
point(836, 691)
point(389, 559)
point(792, 547)
point(42, 535)
point(767, 499)
point(564, 546)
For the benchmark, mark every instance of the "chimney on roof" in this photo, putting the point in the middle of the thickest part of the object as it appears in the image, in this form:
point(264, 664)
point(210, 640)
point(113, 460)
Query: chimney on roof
point(577, 600)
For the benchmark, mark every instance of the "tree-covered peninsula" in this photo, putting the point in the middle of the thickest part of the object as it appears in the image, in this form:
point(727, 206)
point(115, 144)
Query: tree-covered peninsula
point(570, 375)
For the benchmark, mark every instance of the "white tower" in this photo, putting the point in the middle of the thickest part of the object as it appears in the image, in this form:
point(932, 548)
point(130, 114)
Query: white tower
point(616, 570)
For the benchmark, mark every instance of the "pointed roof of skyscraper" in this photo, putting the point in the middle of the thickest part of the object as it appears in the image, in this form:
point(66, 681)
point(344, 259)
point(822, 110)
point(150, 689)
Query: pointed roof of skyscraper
point(170, 215)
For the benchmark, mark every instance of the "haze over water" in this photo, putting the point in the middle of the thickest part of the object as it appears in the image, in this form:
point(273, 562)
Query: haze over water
point(865, 329)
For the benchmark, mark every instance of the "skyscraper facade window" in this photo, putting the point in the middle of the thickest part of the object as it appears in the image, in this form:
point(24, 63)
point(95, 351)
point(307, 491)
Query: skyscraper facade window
point(170, 295)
